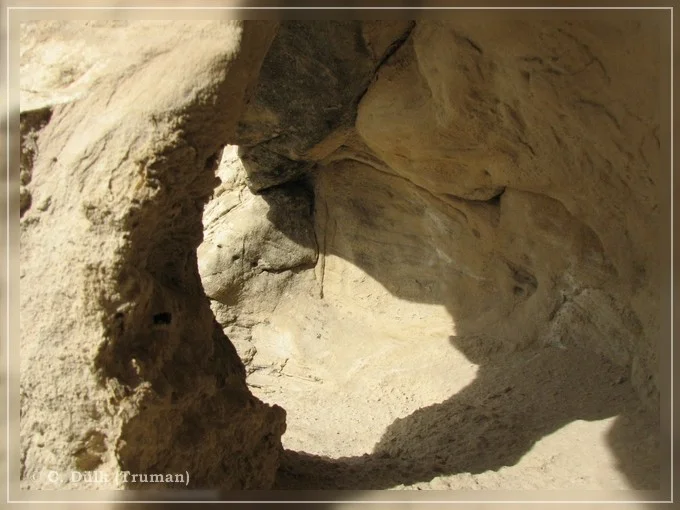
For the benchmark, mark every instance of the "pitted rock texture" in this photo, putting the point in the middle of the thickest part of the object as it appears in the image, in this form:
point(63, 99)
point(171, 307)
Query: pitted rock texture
point(123, 365)
point(32, 121)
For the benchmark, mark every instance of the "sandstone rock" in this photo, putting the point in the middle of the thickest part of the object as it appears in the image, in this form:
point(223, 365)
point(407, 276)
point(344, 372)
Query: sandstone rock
point(557, 120)
point(306, 98)
point(31, 122)
point(123, 365)
point(437, 242)
point(248, 236)
point(499, 188)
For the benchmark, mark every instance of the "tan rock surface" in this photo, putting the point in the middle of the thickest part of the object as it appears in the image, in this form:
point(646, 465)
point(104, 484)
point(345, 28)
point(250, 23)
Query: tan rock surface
point(123, 367)
point(560, 119)
point(486, 294)
point(384, 388)
point(437, 248)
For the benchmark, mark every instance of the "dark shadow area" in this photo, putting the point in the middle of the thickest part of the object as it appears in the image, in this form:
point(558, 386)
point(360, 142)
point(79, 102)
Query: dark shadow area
point(313, 88)
point(291, 209)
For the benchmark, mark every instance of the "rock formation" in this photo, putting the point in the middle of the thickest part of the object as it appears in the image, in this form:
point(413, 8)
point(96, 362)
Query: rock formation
point(465, 189)
point(495, 181)
point(507, 172)
point(123, 365)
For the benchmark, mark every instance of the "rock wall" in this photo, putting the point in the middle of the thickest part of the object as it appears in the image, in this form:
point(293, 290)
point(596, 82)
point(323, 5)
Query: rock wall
point(553, 131)
point(507, 169)
point(123, 367)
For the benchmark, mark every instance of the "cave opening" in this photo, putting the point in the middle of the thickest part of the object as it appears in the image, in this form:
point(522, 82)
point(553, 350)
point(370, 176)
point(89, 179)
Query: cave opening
point(422, 282)
point(432, 243)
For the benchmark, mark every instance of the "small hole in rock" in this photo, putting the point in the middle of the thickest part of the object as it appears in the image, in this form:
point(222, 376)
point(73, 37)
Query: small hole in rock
point(235, 257)
point(162, 318)
point(212, 161)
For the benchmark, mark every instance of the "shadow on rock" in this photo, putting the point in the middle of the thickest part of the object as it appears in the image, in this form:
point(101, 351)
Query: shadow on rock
point(519, 396)
point(497, 264)
point(516, 399)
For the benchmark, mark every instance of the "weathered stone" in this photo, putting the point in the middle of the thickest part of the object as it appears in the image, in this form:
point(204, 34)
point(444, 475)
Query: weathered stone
point(31, 122)
point(123, 365)
point(254, 236)
point(311, 81)
point(438, 242)
point(492, 215)
point(561, 121)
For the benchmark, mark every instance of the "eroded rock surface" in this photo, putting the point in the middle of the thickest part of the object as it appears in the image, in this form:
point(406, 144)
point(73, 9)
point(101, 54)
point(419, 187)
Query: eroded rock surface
point(123, 367)
point(494, 200)
point(515, 167)
point(437, 246)
point(305, 101)
point(559, 119)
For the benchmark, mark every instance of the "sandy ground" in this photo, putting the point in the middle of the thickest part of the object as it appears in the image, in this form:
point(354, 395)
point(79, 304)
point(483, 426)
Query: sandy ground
point(376, 403)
